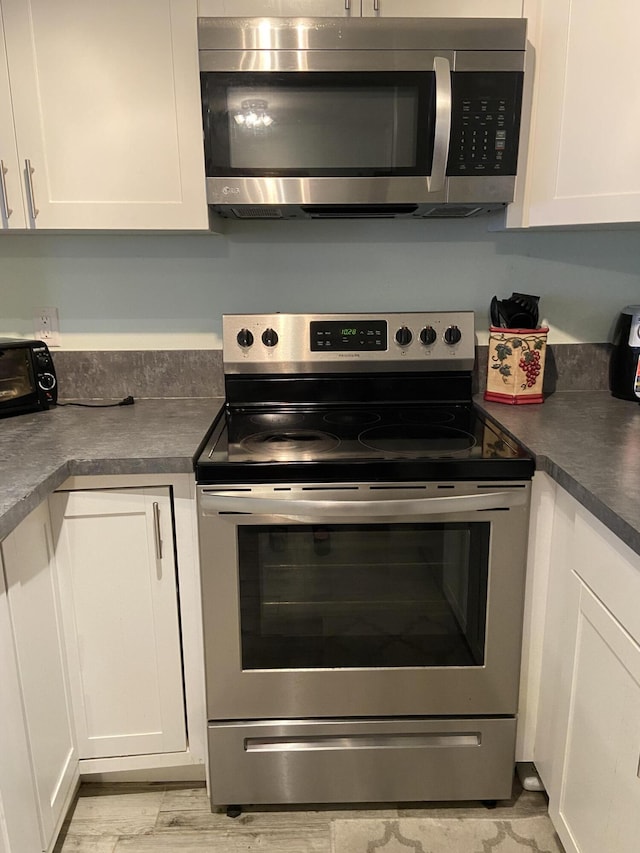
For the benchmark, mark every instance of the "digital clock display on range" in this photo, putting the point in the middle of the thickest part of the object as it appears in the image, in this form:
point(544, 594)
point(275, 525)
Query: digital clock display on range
point(337, 336)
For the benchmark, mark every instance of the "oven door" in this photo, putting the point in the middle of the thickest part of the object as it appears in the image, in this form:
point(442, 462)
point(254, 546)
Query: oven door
point(362, 600)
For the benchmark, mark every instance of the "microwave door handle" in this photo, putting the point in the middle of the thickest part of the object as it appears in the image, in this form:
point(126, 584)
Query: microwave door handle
point(311, 509)
point(442, 134)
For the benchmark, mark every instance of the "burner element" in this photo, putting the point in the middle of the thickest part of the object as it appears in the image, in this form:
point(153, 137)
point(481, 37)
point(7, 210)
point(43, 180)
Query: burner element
point(351, 417)
point(427, 415)
point(417, 440)
point(291, 444)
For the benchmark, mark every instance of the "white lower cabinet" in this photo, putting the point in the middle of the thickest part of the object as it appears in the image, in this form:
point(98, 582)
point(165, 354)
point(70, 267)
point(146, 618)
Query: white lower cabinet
point(38, 758)
point(598, 807)
point(116, 556)
point(586, 745)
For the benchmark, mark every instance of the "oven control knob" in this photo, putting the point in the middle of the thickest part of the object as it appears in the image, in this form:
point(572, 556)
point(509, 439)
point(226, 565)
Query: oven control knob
point(47, 381)
point(428, 335)
point(244, 338)
point(404, 336)
point(452, 335)
point(269, 337)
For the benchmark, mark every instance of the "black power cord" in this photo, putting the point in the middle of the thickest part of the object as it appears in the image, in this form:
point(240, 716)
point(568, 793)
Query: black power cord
point(127, 401)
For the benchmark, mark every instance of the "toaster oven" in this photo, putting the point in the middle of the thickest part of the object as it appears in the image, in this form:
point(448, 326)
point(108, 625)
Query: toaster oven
point(28, 380)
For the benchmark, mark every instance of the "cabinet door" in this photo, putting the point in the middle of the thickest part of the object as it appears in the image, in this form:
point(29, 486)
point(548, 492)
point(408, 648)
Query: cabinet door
point(106, 104)
point(115, 553)
point(11, 200)
point(276, 8)
point(442, 8)
point(599, 804)
point(37, 634)
point(582, 166)
point(558, 645)
point(19, 818)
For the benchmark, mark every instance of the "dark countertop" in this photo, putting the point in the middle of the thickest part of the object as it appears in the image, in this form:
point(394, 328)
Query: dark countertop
point(587, 441)
point(39, 451)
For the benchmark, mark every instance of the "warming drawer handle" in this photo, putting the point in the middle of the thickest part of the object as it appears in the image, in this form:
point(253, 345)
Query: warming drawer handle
point(312, 508)
point(442, 134)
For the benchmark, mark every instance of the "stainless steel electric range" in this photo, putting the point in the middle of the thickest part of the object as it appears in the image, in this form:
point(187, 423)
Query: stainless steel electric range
point(362, 541)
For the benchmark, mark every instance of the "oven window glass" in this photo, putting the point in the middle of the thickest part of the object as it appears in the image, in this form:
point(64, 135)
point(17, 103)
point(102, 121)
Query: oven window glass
point(318, 124)
point(15, 374)
point(397, 595)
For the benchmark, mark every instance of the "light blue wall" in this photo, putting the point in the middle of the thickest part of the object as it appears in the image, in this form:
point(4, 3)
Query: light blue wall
point(123, 291)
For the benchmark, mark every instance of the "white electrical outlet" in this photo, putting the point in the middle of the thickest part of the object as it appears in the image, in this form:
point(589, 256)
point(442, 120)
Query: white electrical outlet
point(46, 325)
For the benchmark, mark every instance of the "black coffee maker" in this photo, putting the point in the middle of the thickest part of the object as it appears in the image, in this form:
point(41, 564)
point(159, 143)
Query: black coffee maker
point(624, 367)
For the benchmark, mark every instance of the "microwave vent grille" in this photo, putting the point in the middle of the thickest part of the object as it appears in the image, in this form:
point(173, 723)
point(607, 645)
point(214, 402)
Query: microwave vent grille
point(258, 213)
point(451, 212)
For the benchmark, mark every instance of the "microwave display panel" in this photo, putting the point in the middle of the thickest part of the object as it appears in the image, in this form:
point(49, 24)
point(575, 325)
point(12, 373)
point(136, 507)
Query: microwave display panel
point(16, 378)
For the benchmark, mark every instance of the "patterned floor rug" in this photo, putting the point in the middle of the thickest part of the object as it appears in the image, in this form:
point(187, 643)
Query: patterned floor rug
point(449, 835)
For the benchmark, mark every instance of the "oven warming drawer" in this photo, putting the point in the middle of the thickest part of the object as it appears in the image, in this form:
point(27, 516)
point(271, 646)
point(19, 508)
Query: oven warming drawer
point(350, 761)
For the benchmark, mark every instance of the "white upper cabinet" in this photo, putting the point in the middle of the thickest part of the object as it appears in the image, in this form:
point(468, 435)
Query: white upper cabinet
point(12, 212)
point(106, 109)
point(278, 8)
point(366, 8)
point(582, 162)
point(442, 8)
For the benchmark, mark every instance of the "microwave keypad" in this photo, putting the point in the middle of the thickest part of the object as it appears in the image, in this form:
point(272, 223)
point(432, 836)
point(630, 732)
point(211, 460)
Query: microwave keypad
point(484, 132)
point(483, 136)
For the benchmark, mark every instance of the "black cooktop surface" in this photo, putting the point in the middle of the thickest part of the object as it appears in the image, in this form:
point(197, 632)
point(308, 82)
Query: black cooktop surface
point(338, 443)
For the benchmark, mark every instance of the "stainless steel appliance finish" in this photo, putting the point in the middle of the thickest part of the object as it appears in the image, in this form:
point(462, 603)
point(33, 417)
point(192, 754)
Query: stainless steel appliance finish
point(436, 340)
point(238, 693)
point(362, 588)
point(445, 93)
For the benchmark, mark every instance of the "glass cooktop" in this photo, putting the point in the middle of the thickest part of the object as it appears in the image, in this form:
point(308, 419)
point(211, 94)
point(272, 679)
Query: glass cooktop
point(399, 442)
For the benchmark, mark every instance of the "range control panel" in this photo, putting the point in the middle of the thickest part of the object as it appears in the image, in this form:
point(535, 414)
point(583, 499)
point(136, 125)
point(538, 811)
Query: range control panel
point(305, 343)
point(485, 123)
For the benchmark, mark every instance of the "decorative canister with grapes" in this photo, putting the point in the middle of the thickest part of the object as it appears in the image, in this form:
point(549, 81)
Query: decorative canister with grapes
point(516, 365)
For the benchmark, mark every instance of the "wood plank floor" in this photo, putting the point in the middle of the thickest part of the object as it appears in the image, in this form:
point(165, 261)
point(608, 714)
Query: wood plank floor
point(176, 818)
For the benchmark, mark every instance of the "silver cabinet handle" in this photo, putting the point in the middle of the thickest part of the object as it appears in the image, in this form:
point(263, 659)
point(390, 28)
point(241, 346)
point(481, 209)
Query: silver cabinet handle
point(347, 5)
point(310, 509)
point(156, 529)
point(442, 134)
point(29, 170)
point(376, 5)
point(3, 191)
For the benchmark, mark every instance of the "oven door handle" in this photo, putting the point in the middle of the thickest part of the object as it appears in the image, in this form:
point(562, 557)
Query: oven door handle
point(312, 508)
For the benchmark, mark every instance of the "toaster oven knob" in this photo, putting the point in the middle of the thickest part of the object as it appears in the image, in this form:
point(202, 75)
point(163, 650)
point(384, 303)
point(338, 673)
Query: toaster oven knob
point(452, 335)
point(46, 381)
point(269, 337)
point(428, 335)
point(244, 338)
point(404, 336)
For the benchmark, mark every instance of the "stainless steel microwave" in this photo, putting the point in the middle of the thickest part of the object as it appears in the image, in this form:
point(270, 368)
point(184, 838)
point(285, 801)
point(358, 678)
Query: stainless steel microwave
point(368, 117)
point(27, 377)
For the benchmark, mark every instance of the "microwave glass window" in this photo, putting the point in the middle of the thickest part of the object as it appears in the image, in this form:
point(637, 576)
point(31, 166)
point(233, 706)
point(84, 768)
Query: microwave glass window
point(304, 128)
point(320, 124)
point(15, 374)
point(398, 595)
